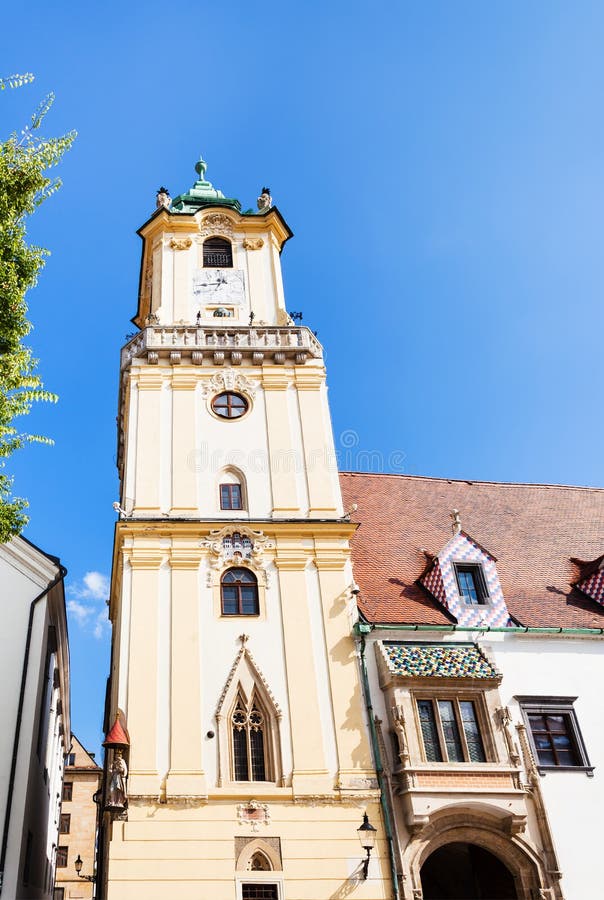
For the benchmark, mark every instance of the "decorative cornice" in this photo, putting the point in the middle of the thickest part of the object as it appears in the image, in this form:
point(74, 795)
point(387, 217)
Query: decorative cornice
point(292, 561)
point(185, 559)
point(308, 380)
point(144, 559)
point(184, 380)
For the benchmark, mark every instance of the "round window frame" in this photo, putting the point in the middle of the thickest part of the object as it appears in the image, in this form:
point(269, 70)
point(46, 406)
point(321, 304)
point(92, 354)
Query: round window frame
point(241, 395)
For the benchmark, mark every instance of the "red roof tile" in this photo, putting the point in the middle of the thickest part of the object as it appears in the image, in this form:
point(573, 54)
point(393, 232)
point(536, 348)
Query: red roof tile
point(532, 530)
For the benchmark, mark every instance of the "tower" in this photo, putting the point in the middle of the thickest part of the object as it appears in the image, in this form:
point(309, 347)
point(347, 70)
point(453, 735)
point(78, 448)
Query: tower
point(233, 665)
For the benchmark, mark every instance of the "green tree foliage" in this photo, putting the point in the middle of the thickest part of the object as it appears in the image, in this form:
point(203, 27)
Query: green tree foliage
point(24, 185)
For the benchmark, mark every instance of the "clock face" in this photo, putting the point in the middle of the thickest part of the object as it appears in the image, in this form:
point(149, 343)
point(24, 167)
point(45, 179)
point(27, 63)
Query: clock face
point(219, 286)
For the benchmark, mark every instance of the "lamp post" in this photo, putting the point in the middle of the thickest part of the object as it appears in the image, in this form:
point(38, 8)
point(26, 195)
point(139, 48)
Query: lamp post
point(366, 835)
point(78, 863)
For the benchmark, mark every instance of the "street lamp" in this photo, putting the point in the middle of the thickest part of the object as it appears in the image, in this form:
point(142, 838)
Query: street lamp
point(366, 835)
point(78, 863)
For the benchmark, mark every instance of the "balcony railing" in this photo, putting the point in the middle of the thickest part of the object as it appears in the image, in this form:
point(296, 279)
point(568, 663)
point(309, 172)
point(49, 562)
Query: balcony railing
point(189, 344)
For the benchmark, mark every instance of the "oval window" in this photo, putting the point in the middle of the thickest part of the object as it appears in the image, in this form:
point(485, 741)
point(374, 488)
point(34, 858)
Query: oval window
point(229, 405)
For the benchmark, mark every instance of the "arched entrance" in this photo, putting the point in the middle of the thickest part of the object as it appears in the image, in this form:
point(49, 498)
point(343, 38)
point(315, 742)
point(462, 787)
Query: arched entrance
point(460, 871)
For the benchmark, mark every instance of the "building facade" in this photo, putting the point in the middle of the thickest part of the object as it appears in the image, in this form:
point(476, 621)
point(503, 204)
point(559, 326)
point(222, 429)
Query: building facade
point(34, 666)
point(480, 632)
point(293, 649)
point(233, 661)
point(77, 824)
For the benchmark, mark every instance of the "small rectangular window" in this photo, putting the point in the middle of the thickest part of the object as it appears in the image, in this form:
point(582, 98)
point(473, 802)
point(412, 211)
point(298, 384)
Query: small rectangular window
point(67, 790)
point(450, 731)
point(65, 823)
point(259, 891)
point(71, 759)
point(230, 496)
point(471, 584)
point(554, 732)
point(62, 853)
point(59, 894)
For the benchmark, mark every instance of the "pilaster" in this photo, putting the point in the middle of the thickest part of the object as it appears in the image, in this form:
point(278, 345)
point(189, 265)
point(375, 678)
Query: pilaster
point(186, 776)
point(184, 486)
point(283, 455)
point(310, 774)
point(142, 670)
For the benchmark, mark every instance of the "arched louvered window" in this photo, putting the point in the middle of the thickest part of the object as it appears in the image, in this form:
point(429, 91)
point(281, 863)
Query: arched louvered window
point(217, 253)
point(249, 757)
point(239, 592)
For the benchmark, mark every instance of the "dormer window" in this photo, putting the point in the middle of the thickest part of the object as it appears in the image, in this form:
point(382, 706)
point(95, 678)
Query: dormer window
point(217, 253)
point(471, 584)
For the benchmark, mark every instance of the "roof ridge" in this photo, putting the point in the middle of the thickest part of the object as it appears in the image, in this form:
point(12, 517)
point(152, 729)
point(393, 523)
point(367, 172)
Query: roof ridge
point(472, 481)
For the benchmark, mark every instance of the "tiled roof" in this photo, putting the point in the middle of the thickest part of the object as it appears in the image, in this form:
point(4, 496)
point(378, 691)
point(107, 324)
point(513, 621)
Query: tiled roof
point(437, 661)
point(533, 531)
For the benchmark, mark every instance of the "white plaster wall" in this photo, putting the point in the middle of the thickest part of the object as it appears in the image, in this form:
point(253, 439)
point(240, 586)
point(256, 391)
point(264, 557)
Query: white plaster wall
point(565, 667)
point(24, 574)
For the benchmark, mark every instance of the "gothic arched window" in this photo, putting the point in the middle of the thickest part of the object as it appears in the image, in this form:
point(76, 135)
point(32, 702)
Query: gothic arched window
point(249, 734)
point(239, 593)
point(217, 253)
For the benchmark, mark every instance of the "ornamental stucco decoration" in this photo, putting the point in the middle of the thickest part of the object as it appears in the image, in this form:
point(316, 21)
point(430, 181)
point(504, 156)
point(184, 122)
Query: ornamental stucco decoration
point(216, 223)
point(237, 546)
point(180, 243)
point(254, 814)
point(253, 243)
point(228, 380)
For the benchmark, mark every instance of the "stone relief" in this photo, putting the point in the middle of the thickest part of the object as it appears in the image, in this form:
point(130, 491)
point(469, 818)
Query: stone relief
point(228, 380)
point(254, 814)
point(215, 223)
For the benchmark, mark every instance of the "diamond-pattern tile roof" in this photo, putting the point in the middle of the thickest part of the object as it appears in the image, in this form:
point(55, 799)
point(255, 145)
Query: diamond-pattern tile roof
point(438, 661)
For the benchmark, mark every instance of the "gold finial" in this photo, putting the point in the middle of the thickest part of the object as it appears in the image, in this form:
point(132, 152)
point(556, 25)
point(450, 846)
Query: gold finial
point(244, 638)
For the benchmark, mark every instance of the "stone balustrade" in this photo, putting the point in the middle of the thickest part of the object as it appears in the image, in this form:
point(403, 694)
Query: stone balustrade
point(220, 345)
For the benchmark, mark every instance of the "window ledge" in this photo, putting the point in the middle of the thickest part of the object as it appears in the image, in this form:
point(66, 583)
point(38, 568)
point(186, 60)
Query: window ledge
point(588, 770)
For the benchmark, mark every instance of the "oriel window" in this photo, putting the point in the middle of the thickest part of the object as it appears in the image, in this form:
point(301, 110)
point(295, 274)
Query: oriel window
point(450, 731)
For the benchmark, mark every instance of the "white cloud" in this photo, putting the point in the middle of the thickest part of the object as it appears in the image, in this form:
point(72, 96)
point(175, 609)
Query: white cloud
point(93, 586)
point(86, 603)
point(80, 612)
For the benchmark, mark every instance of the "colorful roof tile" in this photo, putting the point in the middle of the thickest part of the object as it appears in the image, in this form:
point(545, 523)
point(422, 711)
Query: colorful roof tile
point(438, 661)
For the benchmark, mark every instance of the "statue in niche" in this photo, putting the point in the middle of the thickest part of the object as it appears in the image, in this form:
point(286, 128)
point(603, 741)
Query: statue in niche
point(265, 201)
point(117, 785)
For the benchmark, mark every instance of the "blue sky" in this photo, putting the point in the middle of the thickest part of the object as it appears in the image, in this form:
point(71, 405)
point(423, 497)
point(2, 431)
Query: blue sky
point(442, 167)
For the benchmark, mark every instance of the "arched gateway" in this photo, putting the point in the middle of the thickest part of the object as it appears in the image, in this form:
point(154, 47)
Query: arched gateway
point(460, 871)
